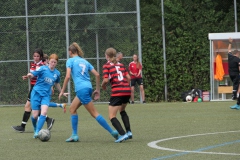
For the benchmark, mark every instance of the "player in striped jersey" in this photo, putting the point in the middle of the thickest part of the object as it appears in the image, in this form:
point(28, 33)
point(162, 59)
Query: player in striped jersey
point(116, 73)
point(37, 62)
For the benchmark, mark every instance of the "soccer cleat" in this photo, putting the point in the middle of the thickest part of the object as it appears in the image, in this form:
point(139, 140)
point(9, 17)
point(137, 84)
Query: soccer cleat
point(115, 134)
point(144, 102)
point(237, 107)
point(35, 135)
point(18, 128)
point(64, 105)
point(132, 102)
point(50, 122)
point(129, 133)
point(73, 138)
point(122, 138)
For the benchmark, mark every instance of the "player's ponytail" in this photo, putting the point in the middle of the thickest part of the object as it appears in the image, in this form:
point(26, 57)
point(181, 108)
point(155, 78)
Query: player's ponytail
point(111, 53)
point(76, 49)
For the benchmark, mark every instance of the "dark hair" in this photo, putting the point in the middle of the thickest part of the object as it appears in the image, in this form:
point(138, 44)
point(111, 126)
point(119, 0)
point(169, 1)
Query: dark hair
point(39, 51)
point(235, 51)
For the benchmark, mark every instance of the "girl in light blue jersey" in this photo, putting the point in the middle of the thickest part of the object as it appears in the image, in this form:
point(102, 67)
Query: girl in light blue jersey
point(41, 92)
point(79, 69)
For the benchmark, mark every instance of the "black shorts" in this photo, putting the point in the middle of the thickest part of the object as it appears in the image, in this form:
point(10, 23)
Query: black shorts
point(29, 93)
point(119, 100)
point(138, 80)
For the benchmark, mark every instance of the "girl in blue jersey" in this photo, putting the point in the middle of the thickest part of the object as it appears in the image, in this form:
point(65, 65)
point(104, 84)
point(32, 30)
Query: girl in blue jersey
point(41, 92)
point(79, 68)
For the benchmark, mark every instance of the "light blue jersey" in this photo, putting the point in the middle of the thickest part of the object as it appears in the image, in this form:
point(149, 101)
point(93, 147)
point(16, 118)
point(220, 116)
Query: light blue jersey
point(46, 79)
point(80, 69)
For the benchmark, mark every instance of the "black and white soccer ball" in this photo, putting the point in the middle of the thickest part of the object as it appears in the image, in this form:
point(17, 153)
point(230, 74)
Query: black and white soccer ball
point(44, 135)
point(189, 98)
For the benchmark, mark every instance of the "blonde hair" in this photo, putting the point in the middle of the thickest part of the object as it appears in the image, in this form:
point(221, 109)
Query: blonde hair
point(76, 49)
point(53, 56)
point(111, 53)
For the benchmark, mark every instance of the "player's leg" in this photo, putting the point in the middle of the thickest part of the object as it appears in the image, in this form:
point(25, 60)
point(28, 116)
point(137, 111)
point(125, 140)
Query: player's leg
point(125, 117)
point(26, 114)
point(235, 81)
point(133, 82)
point(114, 106)
point(140, 83)
point(74, 119)
point(85, 97)
point(237, 105)
point(61, 105)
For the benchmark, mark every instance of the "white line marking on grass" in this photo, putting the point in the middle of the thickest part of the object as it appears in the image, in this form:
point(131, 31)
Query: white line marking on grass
point(154, 145)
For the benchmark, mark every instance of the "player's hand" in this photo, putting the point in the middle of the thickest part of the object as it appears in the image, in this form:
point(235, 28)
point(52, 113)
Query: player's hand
point(230, 40)
point(64, 94)
point(96, 95)
point(104, 87)
point(24, 77)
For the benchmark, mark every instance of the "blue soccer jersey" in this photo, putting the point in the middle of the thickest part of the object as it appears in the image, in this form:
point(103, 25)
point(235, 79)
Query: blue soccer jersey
point(80, 69)
point(46, 79)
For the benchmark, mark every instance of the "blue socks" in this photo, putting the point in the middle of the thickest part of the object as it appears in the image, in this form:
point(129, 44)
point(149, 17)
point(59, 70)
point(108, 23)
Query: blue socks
point(74, 122)
point(34, 123)
point(52, 104)
point(40, 123)
point(104, 123)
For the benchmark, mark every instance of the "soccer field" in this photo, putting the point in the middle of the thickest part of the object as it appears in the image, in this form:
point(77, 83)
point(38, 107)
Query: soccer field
point(176, 131)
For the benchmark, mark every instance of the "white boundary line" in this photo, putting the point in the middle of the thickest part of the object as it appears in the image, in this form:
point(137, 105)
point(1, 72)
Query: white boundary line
point(154, 144)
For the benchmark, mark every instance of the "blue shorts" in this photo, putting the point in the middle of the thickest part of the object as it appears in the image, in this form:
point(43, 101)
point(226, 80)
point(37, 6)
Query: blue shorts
point(37, 100)
point(85, 95)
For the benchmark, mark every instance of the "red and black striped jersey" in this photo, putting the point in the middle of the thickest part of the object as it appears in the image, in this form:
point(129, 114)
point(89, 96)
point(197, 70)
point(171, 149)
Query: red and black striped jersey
point(116, 73)
point(33, 67)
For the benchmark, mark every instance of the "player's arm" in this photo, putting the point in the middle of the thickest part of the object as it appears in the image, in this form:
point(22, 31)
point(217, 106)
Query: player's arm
point(104, 83)
point(230, 45)
point(66, 80)
point(96, 93)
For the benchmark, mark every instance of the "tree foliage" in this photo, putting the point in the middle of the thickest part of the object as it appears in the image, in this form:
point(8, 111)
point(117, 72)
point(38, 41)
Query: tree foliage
point(187, 24)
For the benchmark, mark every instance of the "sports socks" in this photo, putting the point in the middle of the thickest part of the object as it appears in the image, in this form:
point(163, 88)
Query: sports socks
point(52, 104)
point(26, 116)
point(40, 123)
point(34, 123)
point(125, 120)
point(74, 122)
point(117, 126)
point(100, 119)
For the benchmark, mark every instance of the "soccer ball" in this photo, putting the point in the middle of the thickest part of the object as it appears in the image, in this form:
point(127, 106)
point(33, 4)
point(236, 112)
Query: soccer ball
point(44, 135)
point(189, 98)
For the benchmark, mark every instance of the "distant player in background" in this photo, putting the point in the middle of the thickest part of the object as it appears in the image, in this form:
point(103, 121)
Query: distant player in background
point(116, 73)
point(53, 104)
point(119, 56)
point(135, 70)
point(47, 76)
point(234, 69)
point(37, 62)
point(79, 69)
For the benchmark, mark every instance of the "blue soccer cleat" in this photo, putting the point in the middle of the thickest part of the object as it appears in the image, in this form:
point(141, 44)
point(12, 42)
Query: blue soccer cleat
point(237, 107)
point(35, 135)
point(122, 138)
point(115, 134)
point(73, 138)
point(129, 133)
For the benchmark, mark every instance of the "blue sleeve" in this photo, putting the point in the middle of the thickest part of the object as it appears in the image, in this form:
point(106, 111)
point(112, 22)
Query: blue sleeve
point(68, 63)
point(90, 67)
point(38, 71)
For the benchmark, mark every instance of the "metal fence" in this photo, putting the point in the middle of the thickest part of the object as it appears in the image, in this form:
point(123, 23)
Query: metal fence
point(53, 25)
